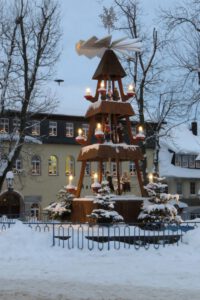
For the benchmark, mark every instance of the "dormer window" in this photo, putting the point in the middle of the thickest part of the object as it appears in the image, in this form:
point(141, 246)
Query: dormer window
point(4, 125)
point(69, 129)
point(35, 128)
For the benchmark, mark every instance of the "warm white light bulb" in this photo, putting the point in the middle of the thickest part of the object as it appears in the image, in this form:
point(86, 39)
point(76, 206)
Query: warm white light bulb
point(150, 177)
point(88, 91)
point(140, 129)
point(102, 85)
point(80, 132)
point(98, 126)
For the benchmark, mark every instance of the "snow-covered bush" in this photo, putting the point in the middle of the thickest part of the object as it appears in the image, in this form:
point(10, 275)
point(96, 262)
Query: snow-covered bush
point(60, 209)
point(105, 213)
point(157, 210)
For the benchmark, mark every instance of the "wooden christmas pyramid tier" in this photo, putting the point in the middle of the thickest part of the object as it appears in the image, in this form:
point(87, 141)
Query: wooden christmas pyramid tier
point(110, 151)
point(122, 109)
point(109, 67)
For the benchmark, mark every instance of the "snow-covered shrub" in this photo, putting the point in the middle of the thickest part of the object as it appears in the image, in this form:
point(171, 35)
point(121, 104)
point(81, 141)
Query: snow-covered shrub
point(105, 213)
point(157, 210)
point(60, 209)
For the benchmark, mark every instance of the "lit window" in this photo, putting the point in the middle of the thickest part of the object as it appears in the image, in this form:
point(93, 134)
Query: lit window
point(35, 128)
point(85, 128)
point(52, 128)
point(88, 168)
point(70, 166)
point(52, 165)
point(179, 189)
point(69, 129)
point(4, 125)
point(17, 167)
point(36, 165)
point(16, 125)
point(132, 168)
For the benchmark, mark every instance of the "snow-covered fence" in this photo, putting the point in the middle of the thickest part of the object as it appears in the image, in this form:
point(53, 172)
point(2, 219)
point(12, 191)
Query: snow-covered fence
point(5, 223)
point(118, 236)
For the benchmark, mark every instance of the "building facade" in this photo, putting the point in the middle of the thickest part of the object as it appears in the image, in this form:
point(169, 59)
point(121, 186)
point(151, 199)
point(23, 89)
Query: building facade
point(42, 169)
point(179, 163)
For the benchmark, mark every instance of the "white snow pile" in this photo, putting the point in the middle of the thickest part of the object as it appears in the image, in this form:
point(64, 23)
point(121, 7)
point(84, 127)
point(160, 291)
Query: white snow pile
point(32, 269)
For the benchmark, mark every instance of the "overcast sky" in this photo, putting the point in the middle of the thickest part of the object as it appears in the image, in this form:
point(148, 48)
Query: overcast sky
point(80, 20)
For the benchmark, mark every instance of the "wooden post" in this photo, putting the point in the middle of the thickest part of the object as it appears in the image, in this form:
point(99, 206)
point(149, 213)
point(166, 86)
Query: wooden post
point(118, 178)
point(140, 181)
point(80, 182)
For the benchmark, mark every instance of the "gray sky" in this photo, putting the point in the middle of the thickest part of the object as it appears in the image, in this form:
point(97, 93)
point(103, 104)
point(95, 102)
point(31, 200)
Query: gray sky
point(80, 20)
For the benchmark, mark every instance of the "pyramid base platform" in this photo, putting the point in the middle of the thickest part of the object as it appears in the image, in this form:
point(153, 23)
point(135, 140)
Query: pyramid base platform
point(127, 206)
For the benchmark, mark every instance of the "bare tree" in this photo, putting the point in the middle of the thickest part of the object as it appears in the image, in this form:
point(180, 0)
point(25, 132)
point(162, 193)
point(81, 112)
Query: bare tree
point(182, 24)
point(143, 68)
point(29, 40)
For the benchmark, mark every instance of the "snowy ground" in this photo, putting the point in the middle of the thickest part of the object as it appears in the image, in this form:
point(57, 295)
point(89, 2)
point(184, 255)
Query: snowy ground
point(32, 269)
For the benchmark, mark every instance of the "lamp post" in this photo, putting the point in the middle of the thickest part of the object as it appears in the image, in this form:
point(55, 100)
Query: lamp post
point(10, 180)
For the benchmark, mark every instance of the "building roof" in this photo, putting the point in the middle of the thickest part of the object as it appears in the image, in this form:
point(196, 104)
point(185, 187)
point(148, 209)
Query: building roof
point(180, 140)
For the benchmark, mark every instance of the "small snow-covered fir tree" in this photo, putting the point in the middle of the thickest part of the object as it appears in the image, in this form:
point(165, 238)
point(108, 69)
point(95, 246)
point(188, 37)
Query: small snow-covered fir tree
point(60, 209)
point(157, 210)
point(105, 213)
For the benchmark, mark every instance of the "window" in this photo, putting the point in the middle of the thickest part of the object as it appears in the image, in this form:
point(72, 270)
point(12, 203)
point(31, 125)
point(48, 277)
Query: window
point(179, 189)
point(85, 128)
point(177, 160)
point(184, 161)
point(88, 168)
point(16, 125)
point(17, 167)
point(70, 166)
point(35, 128)
point(192, 188)
point(52, 128)
point(69, 129)
point(36, 165)
point(132, 168)
point(133, 130)
point(197, 164)
point(35, 210)
point(192, 161)
point(114, 168)
point(52, 165)
point(4, 125)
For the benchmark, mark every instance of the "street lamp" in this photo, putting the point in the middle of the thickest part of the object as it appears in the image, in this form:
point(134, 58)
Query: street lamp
point(10, 180)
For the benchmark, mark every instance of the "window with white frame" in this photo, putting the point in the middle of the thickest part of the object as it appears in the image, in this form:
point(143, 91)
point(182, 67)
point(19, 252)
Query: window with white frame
point(192, 161)
point(177, 160)
point(36, 165)
point(16, 125)
point(35, 128)
point(70, 165)
point(88, 168)
point(17, 166)
point(197, 164)
point(52, 128)
point(132, 168)
point(4, 125)
point(184, 163)
point(133, 130)
point(53, 165)
point(85, 128)
point(192, 188)
point(69, 129)
point(35, 210)
point(179, 188)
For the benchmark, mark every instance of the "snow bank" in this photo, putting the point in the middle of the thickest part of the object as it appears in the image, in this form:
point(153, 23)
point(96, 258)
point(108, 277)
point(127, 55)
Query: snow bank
point(32, 269)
